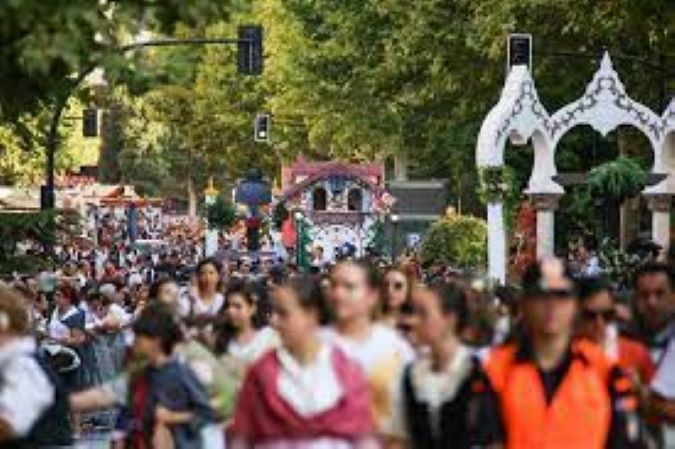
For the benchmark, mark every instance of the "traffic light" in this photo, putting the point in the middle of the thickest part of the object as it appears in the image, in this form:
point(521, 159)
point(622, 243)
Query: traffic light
point(519, 50)
point(90, 122)
point(250, 50)
point(261, 128)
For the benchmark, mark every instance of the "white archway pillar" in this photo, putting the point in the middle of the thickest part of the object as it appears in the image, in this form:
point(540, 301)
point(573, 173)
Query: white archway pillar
point(545, 204)
point(496, 241)
point(659, 204)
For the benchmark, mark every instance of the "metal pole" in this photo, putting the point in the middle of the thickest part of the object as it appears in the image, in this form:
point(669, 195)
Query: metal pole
point(48, 201)
point(298, 241)
point(394, 243)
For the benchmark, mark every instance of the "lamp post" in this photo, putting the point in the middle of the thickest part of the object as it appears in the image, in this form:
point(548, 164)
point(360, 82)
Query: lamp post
point(250, 53)
point(395, 218)
point(211, 234)
point(254, 192)
point(299, 256)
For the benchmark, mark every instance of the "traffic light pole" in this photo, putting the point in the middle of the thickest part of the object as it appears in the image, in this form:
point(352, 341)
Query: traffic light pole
point(47, 194)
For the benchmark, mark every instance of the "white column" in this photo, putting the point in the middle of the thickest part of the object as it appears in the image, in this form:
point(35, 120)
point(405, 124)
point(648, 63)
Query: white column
point(659, 204)
point(496, 241)
point(546, 205)
point(545, 233)
point(210, 242)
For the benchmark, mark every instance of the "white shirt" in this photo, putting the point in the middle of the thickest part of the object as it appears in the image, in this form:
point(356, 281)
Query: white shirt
point(382, 356)
point(383, 341)
point(310, 389)
point(264, 340)
point(195, 305)
point(26, 390)
point(664, 384)
point(135, 278)
point(58, 330)
point(120, 314)
point(592, 266)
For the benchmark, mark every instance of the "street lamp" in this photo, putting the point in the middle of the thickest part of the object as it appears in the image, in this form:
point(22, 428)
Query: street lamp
point(249, 62)
point(253, 191)
point(395, 218)
point(298, 238)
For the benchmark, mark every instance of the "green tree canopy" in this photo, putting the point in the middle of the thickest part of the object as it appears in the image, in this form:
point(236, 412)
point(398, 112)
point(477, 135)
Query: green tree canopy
point(356, 79)
point(46, 42)
point(458, 240)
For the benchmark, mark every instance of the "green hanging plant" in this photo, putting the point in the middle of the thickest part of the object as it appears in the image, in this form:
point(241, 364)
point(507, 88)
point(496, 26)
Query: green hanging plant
point(619, 179)
point(495, 183)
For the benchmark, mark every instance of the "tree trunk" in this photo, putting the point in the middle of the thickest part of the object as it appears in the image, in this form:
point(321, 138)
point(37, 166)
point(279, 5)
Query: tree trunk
point(191, 197)
point(401, 166)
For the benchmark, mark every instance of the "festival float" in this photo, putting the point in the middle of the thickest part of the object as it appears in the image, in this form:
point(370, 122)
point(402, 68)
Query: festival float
point(335, 206)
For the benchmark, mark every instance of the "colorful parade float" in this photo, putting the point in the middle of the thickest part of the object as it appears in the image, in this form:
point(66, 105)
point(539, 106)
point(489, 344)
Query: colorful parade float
point(333, 208)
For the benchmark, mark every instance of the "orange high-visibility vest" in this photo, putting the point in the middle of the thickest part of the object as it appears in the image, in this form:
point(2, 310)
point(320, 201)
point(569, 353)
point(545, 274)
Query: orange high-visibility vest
point(579, 415)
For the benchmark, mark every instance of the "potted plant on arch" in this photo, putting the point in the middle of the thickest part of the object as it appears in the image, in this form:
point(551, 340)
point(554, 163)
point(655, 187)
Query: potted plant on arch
point(612, 183)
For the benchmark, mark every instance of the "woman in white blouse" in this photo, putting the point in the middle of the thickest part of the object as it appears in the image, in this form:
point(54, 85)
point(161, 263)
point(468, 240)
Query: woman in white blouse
point(205, 301)
point(243, 335)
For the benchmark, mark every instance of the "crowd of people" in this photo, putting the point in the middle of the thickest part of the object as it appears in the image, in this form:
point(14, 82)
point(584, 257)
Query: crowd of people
point(258, 354)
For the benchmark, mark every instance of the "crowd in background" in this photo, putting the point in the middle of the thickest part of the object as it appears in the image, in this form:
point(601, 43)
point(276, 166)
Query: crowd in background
point(166, 351)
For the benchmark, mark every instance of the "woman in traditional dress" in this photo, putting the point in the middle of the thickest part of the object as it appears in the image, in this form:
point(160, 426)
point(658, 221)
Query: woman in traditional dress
point(433, 401)
point(306, 394)
point(380, 350)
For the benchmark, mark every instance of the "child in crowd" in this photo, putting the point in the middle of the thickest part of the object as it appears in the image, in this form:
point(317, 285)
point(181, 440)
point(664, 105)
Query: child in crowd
point(305, 394)
point(168, 404)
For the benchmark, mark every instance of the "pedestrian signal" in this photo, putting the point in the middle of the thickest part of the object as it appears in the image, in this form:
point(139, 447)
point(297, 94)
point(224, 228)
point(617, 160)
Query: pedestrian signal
point(261, 128)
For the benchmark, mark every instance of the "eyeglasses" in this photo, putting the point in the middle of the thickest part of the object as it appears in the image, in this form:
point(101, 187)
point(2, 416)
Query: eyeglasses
point(606, 315)
point(397, 285)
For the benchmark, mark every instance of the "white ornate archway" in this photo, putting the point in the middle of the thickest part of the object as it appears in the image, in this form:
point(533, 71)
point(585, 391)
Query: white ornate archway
point(520, 117)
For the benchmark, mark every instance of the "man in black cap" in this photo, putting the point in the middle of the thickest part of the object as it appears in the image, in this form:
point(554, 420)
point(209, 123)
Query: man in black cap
point(548, 389)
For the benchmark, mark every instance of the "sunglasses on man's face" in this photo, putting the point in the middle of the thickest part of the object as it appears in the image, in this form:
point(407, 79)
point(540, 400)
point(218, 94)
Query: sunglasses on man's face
point(554, 294)
point(593, 315)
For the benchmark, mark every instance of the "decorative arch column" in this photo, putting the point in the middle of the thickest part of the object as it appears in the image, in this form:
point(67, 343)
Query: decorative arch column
point(518, 117)
point(545, 204)
point(660, 204)
point(497, 256)
point(605, 105)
